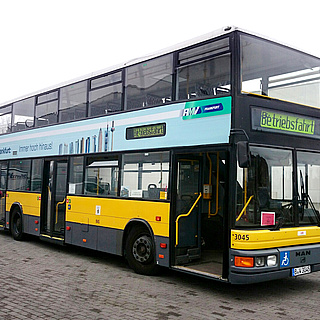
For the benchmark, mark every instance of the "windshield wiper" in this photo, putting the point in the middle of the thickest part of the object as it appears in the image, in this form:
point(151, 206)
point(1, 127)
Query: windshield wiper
point(286, 212)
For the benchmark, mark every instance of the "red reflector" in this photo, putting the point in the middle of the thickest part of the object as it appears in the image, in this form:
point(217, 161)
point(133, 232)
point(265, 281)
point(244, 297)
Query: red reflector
point(68, 228)
point(158, 218)
point(36, 221)
point(161, 256)
point(163, 245)
point(7, 222)
point(246, 262)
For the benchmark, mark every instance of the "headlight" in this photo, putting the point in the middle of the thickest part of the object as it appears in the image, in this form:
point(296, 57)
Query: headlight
point(272, 260)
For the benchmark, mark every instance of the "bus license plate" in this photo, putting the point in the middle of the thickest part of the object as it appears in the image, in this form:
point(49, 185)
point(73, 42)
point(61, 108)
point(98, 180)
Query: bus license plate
point(301, 270)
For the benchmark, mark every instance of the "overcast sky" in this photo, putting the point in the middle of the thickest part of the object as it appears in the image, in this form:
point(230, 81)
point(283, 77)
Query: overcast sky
point(46, 42)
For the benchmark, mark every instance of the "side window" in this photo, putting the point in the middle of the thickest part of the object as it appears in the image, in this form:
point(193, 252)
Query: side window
point(36, 175)
point(149, 83)
point(3, 177)
point(105, 94)
point(73, 102)
point(101, 176)
point(5, 119)
point(23, 114)
point(19, 175)
point(47, 109)
point(76, 175)
point(204, 71)
point(145, 175)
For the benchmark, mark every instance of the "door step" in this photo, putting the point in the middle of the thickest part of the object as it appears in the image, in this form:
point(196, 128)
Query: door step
point(198, 272)
point(55, 240)
point(191, 255)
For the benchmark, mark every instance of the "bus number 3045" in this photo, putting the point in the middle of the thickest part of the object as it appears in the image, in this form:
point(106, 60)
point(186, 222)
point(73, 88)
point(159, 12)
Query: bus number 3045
point(243, 237)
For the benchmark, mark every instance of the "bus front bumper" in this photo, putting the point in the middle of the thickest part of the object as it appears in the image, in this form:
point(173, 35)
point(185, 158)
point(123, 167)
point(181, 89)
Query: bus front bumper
point(251, 266)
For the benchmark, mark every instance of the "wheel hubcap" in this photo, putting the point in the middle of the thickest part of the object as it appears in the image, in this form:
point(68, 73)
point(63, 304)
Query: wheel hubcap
point(142, 249)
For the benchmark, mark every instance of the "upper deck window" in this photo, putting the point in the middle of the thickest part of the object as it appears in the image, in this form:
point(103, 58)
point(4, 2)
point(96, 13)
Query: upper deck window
point(47, 97)
point(5, 119)
point(23, 114)
point(204, 71)
point(149, 83)
point(73, 102)
point(105, 94)
point(279, 72)
point(105, 80)
point(47, 109)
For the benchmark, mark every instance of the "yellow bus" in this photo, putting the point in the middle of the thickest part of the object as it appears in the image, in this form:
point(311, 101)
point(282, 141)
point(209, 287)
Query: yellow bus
point(203, 158)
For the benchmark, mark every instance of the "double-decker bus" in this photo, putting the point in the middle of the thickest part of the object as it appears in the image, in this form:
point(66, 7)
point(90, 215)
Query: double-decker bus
point(203, 158)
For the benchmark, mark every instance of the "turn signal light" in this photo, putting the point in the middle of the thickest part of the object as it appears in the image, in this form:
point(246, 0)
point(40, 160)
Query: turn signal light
point(245, 262)
point(158, 218)
point(36, 221)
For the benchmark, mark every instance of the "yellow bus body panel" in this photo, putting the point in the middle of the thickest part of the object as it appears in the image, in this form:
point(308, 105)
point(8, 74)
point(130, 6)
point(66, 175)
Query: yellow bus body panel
point(30, 202)
point(116, 213)
point(263, 239)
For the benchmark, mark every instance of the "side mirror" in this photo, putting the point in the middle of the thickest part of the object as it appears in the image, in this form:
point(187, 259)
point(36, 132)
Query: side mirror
point(243, 154)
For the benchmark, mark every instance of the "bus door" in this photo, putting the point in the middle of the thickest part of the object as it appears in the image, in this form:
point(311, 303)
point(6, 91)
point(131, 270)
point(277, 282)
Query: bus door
point(199, 212)
point(53, 204)
point(187, 212)
point(3, 187)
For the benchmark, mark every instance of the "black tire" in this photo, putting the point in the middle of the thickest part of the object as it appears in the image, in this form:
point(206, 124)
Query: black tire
point(140, 252)
point(16, 224)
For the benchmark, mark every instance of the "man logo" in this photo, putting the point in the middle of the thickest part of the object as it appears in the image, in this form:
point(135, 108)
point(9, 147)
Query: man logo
point(303, 253)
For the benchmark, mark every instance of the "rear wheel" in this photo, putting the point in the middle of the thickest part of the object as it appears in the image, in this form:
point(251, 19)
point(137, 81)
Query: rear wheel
point(16, 224)
point(140, 251)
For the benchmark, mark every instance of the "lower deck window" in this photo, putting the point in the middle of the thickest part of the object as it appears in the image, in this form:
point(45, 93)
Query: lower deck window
point(19, 175)
point(145, 175)
point(101, 177)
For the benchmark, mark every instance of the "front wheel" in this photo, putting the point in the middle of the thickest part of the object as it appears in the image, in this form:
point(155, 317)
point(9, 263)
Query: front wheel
point(16, 224)
point(140, 251)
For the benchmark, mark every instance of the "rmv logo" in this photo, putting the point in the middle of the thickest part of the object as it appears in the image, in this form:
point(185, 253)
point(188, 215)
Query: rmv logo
point(191, 111)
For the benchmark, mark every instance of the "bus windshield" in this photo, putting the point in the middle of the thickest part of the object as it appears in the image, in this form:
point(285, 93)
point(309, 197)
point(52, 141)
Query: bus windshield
point(264, 190)
point(308, 187)
point(279, 72)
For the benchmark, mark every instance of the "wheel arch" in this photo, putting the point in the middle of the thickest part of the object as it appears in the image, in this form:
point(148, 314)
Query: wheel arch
point(14, 206)
point(136, 222)
point(16, 228)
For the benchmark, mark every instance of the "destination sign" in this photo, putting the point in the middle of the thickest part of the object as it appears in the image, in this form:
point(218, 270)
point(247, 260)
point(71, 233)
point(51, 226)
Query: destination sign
point(148, 131)
point(288, 123)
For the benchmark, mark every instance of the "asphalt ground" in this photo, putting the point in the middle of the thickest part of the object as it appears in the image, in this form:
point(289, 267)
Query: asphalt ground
point(44, 281)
